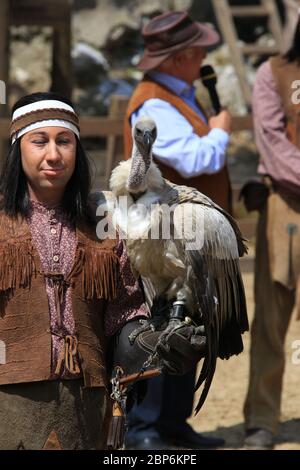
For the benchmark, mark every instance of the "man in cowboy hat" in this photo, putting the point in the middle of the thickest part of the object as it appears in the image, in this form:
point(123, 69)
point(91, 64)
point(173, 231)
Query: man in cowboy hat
point(189, 150)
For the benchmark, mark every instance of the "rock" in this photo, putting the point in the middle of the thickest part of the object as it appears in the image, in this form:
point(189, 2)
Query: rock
point(89, 65)
point(94, 25)
point(30, 59)
point(122, 44)
point(95, 101)
point(115, 86)
point(83, 4)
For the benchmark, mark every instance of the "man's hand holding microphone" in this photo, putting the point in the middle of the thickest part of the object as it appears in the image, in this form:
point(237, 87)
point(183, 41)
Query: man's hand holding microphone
point(222, 119)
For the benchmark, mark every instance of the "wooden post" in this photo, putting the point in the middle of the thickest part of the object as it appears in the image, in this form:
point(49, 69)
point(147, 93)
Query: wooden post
point(4, 27)
point(225, 15)
point(274, 21)
point(61, 55)
point(55, 13)
point(227, 27)
point(4, 30)
point(115, 144)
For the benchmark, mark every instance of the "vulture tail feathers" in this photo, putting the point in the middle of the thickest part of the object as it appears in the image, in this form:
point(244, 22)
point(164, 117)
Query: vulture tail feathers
point(205, 299)
point(243, 318)
point(219, 295)
point(230, 342)
point(236, 320)
point(207, 379)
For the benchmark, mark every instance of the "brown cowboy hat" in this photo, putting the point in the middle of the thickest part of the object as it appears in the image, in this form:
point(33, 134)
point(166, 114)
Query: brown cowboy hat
point(171, 32)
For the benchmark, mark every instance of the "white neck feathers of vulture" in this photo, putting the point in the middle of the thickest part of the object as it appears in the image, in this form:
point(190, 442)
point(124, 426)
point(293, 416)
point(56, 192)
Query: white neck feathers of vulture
point(118, 180)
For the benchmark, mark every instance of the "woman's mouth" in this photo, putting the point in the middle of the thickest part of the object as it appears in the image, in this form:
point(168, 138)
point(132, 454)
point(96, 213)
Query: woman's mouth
point(52, 171)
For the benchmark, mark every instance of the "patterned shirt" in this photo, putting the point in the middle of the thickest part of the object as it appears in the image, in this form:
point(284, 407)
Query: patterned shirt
point(55, 240)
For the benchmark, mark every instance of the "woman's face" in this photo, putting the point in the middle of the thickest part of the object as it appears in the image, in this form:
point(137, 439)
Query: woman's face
point(48, 159)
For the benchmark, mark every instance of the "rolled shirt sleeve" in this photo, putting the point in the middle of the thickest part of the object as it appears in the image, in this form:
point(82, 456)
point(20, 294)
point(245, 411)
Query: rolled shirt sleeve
point(178, 146)
point(279, 158)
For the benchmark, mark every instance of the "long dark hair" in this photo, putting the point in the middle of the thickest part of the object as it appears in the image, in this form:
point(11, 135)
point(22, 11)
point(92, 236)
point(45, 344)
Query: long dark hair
point(293, 54)
point(13, 183)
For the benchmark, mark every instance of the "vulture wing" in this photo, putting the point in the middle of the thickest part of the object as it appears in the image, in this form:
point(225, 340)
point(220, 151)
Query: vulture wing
point(214, 279)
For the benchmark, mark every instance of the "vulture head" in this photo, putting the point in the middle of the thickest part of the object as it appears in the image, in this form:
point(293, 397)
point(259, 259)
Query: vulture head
point(144, 134)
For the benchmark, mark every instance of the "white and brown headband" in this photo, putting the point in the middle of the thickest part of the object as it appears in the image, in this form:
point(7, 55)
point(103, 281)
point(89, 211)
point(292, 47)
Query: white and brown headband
point(41, 114)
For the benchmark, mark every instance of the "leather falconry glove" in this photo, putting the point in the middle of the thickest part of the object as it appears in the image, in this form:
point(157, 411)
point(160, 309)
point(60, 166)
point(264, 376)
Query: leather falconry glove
point(181, 349)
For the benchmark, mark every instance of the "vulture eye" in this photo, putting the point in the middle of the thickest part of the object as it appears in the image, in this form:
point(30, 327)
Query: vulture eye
point(138, 131)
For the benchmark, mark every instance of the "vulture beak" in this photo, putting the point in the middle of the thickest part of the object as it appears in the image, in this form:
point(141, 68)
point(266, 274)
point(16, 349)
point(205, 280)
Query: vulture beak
point(148, 140)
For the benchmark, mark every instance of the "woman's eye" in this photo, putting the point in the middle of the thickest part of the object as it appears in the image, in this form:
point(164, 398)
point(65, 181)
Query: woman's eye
point(63, 142)
point(39, 142)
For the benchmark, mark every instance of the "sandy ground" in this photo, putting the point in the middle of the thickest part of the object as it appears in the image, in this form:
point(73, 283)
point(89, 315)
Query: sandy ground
point(222, 414)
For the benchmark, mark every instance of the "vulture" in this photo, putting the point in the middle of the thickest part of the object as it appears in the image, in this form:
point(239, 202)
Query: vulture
point(185, 248)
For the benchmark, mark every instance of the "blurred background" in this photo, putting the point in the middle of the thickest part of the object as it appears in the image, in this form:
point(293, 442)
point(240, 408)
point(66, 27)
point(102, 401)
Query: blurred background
point(87, 50)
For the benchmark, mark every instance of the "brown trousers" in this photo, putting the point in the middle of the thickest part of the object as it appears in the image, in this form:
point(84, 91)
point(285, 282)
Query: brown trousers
point(53, 414)
point(274, 305)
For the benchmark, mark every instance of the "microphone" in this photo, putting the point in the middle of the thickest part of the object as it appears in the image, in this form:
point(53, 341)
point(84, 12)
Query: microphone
point(209, 79)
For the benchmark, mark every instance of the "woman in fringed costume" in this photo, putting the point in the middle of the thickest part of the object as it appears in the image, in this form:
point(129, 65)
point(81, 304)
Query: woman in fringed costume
point(63, 292)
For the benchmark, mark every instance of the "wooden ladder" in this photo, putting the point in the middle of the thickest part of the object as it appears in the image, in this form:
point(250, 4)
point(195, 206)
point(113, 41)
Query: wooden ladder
point(225, 14)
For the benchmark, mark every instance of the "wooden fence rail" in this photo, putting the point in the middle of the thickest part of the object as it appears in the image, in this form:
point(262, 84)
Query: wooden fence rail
point(89, 127)
point(108, 126)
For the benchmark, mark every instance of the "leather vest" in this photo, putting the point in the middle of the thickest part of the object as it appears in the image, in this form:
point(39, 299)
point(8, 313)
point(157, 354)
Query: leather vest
point(24, 311)
point(216, 186)
point(284, 74)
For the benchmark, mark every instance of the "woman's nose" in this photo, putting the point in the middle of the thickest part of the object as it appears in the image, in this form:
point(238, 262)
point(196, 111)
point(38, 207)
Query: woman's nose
point(53, 153)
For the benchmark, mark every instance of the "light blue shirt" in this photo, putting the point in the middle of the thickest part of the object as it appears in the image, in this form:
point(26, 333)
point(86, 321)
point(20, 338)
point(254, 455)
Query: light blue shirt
point(177, 145)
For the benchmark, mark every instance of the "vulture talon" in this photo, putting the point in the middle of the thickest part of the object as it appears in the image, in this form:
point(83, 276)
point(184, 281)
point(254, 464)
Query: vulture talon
point(174, 324)
point(152, 324)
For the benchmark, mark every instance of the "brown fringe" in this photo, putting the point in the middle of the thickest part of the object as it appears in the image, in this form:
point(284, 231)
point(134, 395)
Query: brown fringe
point(98, 268)
point(17, 265)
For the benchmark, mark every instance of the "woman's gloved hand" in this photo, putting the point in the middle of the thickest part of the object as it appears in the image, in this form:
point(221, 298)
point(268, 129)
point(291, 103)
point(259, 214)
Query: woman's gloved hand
point(175, 349)
point(181, 349)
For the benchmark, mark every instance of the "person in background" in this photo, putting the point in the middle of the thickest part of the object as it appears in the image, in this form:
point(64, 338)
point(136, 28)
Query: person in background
point(189, 150)
point(277, 269)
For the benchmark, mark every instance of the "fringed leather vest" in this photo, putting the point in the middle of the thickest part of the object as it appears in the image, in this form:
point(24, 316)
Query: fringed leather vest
point(216, 186)
point(24, 313)
point(284, 74)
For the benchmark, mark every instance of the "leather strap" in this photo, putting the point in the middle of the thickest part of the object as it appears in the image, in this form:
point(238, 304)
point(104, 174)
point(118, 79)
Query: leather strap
point(68, 356)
